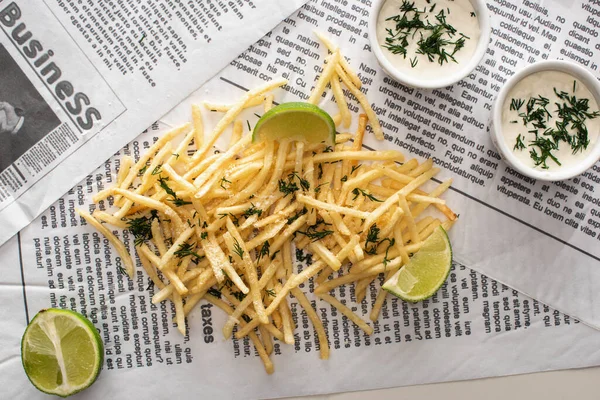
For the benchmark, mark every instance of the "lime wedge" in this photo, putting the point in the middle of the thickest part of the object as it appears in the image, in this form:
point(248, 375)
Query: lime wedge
point(61, 351)
point(298, 121)
point(426, 271)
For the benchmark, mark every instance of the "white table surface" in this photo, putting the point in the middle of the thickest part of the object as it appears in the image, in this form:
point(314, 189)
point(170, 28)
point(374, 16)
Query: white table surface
point(574, 384)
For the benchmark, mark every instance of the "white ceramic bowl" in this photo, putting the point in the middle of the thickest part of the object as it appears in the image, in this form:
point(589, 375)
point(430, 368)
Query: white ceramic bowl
point(504, 149)
point(483, 17)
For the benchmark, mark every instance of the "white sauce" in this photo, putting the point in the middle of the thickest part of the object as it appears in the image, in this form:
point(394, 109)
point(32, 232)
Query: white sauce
point(543, 83)
point(460, 17)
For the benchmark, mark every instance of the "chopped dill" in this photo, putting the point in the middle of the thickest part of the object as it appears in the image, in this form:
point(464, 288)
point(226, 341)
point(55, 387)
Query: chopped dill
point(237, 249)
point(252, 211)
point(356, 192)
point(519, 145)
point(569, 127)
point(297, 215)
point(264, 251)
point(187, 249)
point(373, 238)
point(157, 170)
point(141, 227)
point(239, 296)
point(176, 200)
point(516, 104)
point(274, 255)
point(437, 40)
point(223, 180)
point(290, 186)
point(313, 234)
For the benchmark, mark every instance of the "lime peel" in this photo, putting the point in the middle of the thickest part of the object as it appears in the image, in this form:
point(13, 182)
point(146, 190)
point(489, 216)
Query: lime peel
point(426, 271)
point(295, 120)
point(61, 351)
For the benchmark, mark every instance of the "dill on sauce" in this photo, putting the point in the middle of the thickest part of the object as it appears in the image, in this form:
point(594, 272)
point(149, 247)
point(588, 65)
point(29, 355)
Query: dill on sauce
point(545, 148)
point(435, 40)
point(519, 145)
point(516, 104)
point(569, 127)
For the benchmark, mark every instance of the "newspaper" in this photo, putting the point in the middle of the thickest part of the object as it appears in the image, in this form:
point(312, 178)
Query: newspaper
point(473, 327)
point(80, 79)
point(538, 237)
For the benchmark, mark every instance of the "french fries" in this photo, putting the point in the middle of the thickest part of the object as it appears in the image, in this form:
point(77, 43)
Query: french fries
point(222, 227)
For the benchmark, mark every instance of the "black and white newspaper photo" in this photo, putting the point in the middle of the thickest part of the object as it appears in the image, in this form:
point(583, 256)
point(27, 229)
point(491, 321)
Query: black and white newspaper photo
point(25, 117)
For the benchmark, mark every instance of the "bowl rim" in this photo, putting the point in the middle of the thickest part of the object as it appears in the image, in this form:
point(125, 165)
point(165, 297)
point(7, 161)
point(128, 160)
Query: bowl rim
point(569, 67)
point(483, 16)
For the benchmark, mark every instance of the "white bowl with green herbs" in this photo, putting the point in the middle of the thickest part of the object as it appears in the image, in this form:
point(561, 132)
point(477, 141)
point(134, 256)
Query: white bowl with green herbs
point(429, 43)
point(546, 120)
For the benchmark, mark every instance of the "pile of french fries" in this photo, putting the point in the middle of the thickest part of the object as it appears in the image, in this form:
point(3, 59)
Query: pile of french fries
point(222, 226)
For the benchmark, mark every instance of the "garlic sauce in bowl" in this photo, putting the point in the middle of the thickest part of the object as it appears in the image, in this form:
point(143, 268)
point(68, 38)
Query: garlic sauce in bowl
point(542, 136)
point(429, 43)
point(546, 120)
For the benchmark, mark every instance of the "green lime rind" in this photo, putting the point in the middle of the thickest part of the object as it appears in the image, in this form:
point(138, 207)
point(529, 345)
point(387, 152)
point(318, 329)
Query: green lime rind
point(426, 272)
point(297, 121)
point(81, 347)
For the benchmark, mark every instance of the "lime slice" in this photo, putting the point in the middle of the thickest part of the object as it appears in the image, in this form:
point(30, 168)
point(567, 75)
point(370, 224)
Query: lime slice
point(61, 351)
point(426, 271)
point(298, 121)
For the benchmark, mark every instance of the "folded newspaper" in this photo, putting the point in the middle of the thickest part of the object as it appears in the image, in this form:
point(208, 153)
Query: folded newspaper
point(87, 78)
point(475, 326)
